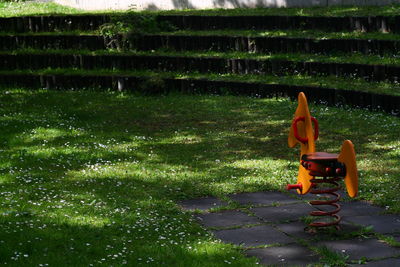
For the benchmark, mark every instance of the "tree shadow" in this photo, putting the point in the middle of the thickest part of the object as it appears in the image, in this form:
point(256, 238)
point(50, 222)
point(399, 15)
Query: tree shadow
point(74, 153)
point(182, 4)
point(187, 4)
point(79, 161)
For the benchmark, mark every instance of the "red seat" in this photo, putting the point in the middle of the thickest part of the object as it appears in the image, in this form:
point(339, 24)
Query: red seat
point(320, 156)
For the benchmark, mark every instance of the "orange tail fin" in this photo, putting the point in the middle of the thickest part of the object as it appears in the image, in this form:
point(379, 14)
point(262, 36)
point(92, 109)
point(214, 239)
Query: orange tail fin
point(347, 156)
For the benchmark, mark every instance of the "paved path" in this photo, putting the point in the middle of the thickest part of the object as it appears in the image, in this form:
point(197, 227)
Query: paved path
point(269, 226)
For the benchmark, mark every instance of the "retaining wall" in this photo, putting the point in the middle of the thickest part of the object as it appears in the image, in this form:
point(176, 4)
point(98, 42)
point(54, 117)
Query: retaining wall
point(330, 96)
point(93, 22)
point(199, 64)
point(204, 43)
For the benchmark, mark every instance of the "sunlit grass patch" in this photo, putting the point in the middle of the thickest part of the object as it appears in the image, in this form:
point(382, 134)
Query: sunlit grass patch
point(13, 9)
point(269, 173)
point(95, 177)
point(31, 8)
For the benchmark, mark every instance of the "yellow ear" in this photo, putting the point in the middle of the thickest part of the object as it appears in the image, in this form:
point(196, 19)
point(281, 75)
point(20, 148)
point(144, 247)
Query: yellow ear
point(302, 108)
point(347, 156)
point(305, 129)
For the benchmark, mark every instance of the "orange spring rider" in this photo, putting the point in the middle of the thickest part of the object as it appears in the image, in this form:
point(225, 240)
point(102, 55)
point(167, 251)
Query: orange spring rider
point(318, 169)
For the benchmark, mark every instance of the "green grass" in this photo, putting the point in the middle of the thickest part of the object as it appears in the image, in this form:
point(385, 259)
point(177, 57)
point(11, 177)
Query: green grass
point(389, 10)
point(355, 58)
point(53, 33)
point(342, 83)
point(16, 9)
point(91, 177)
point(318, 35)
point(331, 258)
point(24, 9)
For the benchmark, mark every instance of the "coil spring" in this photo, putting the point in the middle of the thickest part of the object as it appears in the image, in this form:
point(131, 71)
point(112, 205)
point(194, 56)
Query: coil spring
point(331, 202)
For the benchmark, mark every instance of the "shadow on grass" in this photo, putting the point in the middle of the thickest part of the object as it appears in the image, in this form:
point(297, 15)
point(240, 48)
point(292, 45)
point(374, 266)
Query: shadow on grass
point(108, 168)
point(84, 173)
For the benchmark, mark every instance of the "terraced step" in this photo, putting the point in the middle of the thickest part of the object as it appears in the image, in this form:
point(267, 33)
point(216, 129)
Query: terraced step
point(89, 62)
point(266, 44)
point(310, 34)
point(204, 43)
point(90, 42)
point(198, 63)
point(53, 23)
point(321, 23)
point(154, 83)
point(210, 22)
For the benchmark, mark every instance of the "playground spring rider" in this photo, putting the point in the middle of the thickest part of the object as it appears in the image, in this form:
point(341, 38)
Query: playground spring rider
point(317, 168)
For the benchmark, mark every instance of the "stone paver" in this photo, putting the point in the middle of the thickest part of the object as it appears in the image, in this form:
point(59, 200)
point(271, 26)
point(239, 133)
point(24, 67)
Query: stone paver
point(253, 236)
point(392, 262)
point(306, 197)
point(279, 224)
point(202, 203)
point(263, 198)
point(284, 256)
point(226, 219)
point(343, 195)
point(347, 228)
point(297, 230)
point(386, 223)
point(283, 213)
point(358, 208)
point(361, 248)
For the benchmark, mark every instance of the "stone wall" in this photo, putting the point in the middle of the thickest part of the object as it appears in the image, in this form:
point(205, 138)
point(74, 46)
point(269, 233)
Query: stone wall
point(204, 4)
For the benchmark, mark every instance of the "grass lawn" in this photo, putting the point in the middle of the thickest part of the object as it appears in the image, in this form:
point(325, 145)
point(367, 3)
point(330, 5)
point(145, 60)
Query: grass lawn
point(330, 81)
point(356, 58)
point(94, 177)
point(16, 9)
point(314, 34)
point(12, 9)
